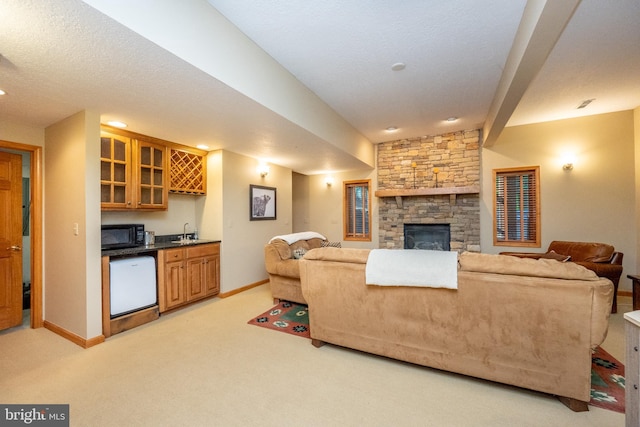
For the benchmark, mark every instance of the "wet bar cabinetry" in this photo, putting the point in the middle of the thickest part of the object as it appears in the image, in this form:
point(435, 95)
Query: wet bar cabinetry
point(133, 172)
point(187, 274)
point(188, 171)
point(138, 171)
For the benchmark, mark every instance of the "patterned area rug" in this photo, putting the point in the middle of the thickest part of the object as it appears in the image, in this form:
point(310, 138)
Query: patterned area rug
point(607, 381)
point(607, 373)
point(286, 317)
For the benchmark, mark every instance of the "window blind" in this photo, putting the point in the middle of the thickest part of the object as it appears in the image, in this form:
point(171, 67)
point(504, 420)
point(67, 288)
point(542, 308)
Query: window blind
point(516, 209)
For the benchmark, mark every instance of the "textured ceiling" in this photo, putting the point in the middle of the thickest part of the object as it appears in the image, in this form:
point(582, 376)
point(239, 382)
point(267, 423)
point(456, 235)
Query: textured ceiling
point(454, 52)
point(63, 56)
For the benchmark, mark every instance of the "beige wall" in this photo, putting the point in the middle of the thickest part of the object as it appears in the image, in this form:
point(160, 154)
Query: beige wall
point(593, 202)
point(14, 132)
point(300, 203)
point(209, 208)
point(72, 292)
point(325, 207)
point(243, 240)
point(181, 210)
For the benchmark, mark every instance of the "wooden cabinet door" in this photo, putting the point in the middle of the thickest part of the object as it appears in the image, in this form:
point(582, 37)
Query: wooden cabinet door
point(151, 175)
point(196, 278)
point(174, 285)
point(115, 172)
point(212, 274)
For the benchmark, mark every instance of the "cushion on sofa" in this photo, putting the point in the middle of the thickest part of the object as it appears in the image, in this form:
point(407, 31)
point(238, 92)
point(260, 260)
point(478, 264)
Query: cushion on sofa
point(298, 253)
point(505, 264)
point(556, 256)
point(300, 244)
point(315, 243)
point(328, 244)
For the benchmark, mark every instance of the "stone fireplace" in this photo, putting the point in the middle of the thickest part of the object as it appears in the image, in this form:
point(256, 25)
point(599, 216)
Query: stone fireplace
point(434, 237)
point(409, 195)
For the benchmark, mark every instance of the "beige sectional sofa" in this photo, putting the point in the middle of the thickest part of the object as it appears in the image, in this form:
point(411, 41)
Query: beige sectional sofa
point(524, 322)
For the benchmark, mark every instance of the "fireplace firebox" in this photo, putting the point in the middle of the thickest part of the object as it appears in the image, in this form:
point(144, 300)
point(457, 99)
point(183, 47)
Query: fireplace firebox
point(435, 237)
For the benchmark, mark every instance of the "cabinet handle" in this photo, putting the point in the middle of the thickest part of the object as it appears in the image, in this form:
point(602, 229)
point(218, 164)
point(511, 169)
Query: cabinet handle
point(635, 348)
point(635, 386)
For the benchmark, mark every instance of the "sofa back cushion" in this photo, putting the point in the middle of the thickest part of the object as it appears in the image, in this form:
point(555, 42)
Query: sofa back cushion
point(506, 264)
point(583, 251)
point(315, 243)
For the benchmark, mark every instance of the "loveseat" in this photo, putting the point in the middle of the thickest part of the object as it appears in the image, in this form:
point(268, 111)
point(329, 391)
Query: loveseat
point(600, 258)
point(524, 322)
point(281, 256)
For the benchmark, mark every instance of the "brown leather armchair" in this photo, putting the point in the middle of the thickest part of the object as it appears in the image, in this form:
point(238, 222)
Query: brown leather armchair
point(600, 258)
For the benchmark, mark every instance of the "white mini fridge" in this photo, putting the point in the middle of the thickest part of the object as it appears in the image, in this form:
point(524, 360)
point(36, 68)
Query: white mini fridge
point(133, 284)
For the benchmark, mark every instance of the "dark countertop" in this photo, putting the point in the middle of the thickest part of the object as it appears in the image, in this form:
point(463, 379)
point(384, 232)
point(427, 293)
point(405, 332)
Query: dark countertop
point(141, 250)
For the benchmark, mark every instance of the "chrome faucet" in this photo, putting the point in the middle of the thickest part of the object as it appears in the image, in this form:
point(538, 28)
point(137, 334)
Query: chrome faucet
point(184, 231)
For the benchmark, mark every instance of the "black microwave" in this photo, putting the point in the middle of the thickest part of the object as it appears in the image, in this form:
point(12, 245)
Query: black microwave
point(120, 236)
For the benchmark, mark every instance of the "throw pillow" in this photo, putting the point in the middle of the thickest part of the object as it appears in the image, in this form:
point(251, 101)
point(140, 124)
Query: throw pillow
point(327, 244)
point(556, 256)
point(299, 253)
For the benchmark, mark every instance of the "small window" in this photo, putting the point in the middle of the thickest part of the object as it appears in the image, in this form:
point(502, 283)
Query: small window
point(357, 210)
point(517, 207)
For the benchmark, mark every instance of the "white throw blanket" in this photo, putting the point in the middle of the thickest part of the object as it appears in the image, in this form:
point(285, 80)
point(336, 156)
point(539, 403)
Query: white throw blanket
point(292, 238)
point(396, 267)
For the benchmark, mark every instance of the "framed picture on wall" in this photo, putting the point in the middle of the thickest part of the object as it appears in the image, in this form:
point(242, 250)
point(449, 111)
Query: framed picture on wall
point(262, 202)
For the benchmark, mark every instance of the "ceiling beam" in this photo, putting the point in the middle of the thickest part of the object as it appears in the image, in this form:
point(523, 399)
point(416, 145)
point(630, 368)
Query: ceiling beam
point(543, 21)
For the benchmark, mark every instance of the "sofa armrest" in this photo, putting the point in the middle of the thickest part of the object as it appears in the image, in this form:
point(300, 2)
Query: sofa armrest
point(271, 259)
point(617, 258)
point(609, 271)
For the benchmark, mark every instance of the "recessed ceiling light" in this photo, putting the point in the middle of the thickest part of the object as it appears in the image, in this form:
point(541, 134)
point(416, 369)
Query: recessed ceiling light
point(452, 119)
point(202, 146)
point(398, 66)
point(117, 124)
point(2, 92)
point(391, 129)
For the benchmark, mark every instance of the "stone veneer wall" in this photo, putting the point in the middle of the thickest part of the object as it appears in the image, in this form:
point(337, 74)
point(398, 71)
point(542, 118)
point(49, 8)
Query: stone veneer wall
point(457, 156)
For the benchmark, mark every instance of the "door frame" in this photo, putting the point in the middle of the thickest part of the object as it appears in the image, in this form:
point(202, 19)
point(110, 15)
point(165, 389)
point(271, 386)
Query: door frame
point(35, 183)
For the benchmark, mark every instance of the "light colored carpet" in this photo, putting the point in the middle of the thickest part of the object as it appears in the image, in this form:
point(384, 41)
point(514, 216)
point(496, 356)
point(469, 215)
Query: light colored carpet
point(205, 366)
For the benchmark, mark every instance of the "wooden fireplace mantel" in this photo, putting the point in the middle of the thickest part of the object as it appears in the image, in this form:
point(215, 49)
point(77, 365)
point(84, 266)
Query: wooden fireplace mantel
point(440, 191)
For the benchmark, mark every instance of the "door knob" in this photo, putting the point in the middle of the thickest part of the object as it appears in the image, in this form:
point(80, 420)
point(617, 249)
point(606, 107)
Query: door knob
point(14, 248)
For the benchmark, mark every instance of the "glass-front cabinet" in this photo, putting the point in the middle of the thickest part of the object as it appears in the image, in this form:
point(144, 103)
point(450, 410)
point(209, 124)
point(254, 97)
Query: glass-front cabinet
point(133, 173)
point(115, 171)
point(152, 175)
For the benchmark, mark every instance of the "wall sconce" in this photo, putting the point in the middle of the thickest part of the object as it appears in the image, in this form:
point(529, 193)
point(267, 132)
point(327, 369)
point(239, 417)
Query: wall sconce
point(328, 180)
point(436, 171)
point(263, 169)
point(567, 160)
